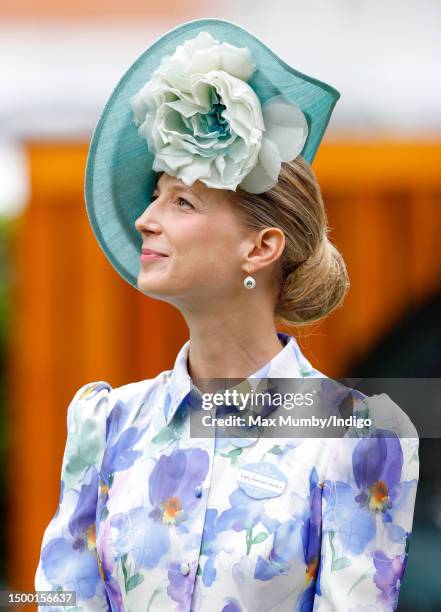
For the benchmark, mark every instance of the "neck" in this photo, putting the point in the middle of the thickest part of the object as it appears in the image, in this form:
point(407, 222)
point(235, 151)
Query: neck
point(231, 348)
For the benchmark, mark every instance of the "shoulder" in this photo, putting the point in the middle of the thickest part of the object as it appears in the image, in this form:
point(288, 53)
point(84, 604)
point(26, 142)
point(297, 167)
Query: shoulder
point(134, 403)
point(392, 421)
point(381, 434)
point(97, 398)
point(146, 390)
point(386, 414)
point(90, 400)
point(101, 393)
point(86, 431)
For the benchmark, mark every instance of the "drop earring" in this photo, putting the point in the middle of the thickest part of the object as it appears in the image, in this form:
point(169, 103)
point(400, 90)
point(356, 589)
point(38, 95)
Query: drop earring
point(249, 282)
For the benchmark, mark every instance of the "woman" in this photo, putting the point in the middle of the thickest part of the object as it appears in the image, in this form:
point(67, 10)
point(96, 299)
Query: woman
point(235, 236)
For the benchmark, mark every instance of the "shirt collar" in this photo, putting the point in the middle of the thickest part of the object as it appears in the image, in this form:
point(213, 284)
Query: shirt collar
point(288, 363)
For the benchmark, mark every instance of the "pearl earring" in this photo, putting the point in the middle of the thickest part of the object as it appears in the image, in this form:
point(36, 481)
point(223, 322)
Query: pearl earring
point(249, 282)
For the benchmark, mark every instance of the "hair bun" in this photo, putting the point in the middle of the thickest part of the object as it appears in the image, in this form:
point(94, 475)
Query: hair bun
point(315, 287)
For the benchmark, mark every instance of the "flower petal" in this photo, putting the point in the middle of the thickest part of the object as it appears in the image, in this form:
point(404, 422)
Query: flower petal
point(170, 159)
point(204, 60)
point(286, 126)
point(204, 40)
point(243, 109)
point(185, 108)
point(201, 93)
point(237, 61)
point(198, 169)
point(139, 108)
point(265, 173)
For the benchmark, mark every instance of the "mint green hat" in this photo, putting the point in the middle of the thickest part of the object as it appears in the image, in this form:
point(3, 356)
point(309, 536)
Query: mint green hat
point(206, 101)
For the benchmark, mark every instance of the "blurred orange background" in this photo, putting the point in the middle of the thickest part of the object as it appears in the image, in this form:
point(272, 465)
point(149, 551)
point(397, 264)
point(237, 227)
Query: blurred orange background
point(74, 320)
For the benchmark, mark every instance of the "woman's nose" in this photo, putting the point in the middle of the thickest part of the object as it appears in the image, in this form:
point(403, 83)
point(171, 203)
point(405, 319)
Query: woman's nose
point(144, 221)
point(139, 222)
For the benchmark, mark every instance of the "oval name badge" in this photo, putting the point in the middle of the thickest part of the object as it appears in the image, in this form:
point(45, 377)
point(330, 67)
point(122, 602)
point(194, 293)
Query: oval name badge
point(260, 480)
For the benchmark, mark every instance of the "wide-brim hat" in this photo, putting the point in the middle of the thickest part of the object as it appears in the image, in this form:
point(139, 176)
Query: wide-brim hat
point(120, 177)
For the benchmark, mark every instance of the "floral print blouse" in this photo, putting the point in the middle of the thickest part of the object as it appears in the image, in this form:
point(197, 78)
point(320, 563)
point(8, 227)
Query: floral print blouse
point(151, 519)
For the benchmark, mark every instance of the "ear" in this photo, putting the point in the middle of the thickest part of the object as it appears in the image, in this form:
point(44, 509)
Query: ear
point(268, 247)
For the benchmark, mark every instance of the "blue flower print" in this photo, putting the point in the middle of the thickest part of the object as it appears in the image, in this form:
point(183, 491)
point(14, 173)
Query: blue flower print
point(145, 532)
point(71, 561)
point(180, 586)
point(388, 575)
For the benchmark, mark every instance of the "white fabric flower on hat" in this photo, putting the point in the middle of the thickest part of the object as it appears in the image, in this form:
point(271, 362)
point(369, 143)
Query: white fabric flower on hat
point(203, 121)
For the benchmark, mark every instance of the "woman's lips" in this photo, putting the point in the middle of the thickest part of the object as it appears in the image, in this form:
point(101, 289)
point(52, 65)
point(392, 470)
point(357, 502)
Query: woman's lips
point(151, 256)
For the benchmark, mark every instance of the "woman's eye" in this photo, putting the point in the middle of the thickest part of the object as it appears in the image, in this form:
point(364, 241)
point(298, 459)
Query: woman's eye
point(180, 200)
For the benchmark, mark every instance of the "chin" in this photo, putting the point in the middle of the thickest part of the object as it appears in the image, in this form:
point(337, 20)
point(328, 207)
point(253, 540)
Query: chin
point(158, 290)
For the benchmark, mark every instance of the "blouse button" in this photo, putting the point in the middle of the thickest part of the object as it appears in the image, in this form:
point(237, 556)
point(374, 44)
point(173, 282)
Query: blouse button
point(185, 568)
point(198, 490)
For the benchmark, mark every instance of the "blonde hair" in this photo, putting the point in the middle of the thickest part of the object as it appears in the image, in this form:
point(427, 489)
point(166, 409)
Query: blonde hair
point(311, 278)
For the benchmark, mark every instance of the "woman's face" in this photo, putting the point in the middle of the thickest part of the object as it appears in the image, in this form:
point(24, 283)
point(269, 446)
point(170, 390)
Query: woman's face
point(198, 231)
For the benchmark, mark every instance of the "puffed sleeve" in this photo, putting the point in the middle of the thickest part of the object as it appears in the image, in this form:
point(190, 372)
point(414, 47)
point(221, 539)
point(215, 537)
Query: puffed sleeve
point(368, 500)
point(68, 559)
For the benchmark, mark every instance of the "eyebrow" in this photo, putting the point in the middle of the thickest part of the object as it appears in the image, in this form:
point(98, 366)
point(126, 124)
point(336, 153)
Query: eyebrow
point(176, 186)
